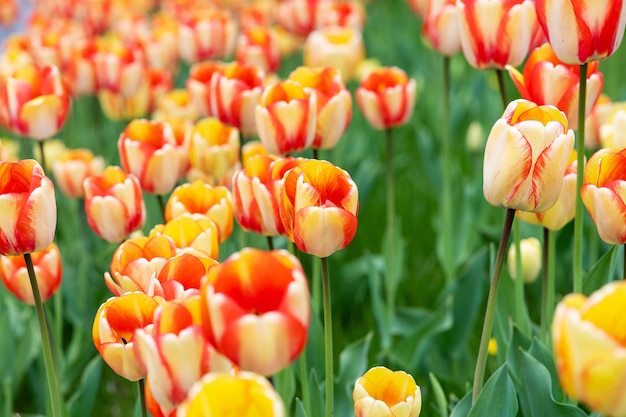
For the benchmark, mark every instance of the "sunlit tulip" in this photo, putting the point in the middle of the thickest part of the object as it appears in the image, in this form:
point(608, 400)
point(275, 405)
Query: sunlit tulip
point(114, 204)
point(530, 249)
point(71, 169)
point(213, 152)
point(496, 33)
point(546, 80)
point(334, 103)
point(588, 340)
point(319, 207)
point(613, 130)
point(341, 13)
point(193, 233)
point(258, 46)
point(148, 151)
point(34, 102)
point(255, 308)
point(199, 82)
point(114, 328)
point(220, 395)
point(381, 392)
point(334, 46)
point(441, 26)
point(286, 118)
point(582, 31)
point(526, 156)
point(206, 34)
point(48, 270)
point(603, 193)
point(386, 97)
point(28, 207)
point(298, 17)
point(201, 198)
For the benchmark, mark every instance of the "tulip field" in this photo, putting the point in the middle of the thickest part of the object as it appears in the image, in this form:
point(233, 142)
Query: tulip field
point(312, 208)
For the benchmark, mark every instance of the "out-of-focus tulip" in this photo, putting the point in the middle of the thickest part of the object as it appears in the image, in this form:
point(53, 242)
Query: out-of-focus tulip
point(496, 33)
point(588, 340)
point(341, 13)
point(9, 10)
point(258, 46)
point(286, 118)
point(250, 149)
point(602, 193)
point(48, 270)
point(319, 207)
point(207, 34)
point(114, 204)
point(613, 129)
point(9, 150)
point(213, 152)
point(334, 103)
point(80, 71)
point(334, 46)
point(441, 26)
point(582, 31)
point(593, 124)
point(199, 82)
point(14, 55)
point(255, 309)
point(219, 395)
point(203, 199)
point(34, 102)
point(298, 17)
point(546, 80)
point(530, 249)
point(28, 207)
point(176, 104)
point(52, 43)
point(71, 169)
point(386, 97)
point(564, 210)
point(114, 328)
point(191, 233)
point(418, 7)
point(382, 392)
point(526, 155)
point(256, 14)
point(53, 151)
point(148, 151)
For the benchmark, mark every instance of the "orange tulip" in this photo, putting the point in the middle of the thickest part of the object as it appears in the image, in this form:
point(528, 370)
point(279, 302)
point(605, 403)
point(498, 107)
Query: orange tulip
point(384, 393)
point(319, 207)
point(198, 84)
point(386, 97)
point(48, 270)
point(441, 26)
point(588, 340)
point(71, 169)
point(114, 204)
point(258, 46)
point(333, 46)
point(206, 34)
point(255, 308)
point(114, 329)
point(194, 234)
point(28, 207)
point(546, 80)
point(605, 178)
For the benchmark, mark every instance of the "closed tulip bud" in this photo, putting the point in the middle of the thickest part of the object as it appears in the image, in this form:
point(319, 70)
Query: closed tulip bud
point(605, 178)
point(48, 270)
point(208, 33)
point(198, 84)
point(334, 46)
point(386, 97)
point(613, 130)
point(441, 27)
point(381, 392)
point(196, 234)
point(588, 341)
point(28, 207)
point(526, 155)
point(255, 309)
point(582, 31)
point(71, 169)
point(258, 46)
point(114, 204)
point(593, 124)
point(530, 250)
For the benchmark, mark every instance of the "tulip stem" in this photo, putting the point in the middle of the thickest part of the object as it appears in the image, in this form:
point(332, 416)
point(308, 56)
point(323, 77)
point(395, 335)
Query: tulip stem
point(328, 337)
point(390, 264)
point(316, 153)
point(548, 283)
point(142, 397)
point(481, 361)
point(161, 205)
point(520, 303)
point(446, 196)
point(46, 342)
point(270, 243)
point(42, 154)
point(580, 149)
point(500, 75)
point(624, 271)
point(304, 382)
point(7, 390)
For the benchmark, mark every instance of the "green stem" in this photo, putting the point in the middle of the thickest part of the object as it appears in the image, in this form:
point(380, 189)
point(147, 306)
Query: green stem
point(328, 337)
point(161, 205)
point(502, 87)
point(549, 250)
point(446, 164)
point(624, 270)
point(7, 390)
point(520, 303)
point(304, 381)
point(142, 397)
point(481, 361)
point(270, 243)
point(316, 286)
point(580, 148)
point(58, 318)
point(390, 266)
point(53, 385)
point(42, 154)
point(316, 153)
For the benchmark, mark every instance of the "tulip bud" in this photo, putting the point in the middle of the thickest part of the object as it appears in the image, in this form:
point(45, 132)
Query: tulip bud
point(530, 250)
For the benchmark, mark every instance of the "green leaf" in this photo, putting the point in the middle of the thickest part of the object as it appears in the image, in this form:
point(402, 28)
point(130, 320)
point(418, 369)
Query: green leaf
point(316, 389)
point(375, 279)
point(463, 407)
point(540, 352)
point(285, 384)
point(517, 341)
point(601, 272)
point(440, 396)
point(300, 411)
point(352, 364)
point(82, 401)
point(497, 398)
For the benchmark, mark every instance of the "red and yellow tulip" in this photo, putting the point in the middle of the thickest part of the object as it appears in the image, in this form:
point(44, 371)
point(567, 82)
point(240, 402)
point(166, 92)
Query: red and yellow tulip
point(71, 169)
point(441, 26)
point(381, 392)
point(258, 46)
point(199, 82)
point(206, 33)
point(333, 46)
point(194, 234)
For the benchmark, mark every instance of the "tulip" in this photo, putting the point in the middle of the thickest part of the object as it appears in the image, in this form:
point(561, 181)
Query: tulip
point(582, 31)
point(71, 169)
point(319, 207)
point(220, 395)
point(604, 180)
point(342, 14)
point(196, 234)
point(114, 332)
point(9, 12)
point(148, 151)
point(588, 336)
point(526, 155)
point(9, 150)
point(256, 14)
point(613, 129)
point(441, 26)
point(80, 71)
point(28, 208)
point(114, 204)
point(597, 117)
point(255, 308)
point(496, 33)
point(48, 270)
point(334, 103)
point(206, 34)
point(530, 250)
point(340, 47)
point(198, 84)
point(258, 46)
point(286, 118)
point(384, 393)
point(181, 275)
point(418, 7)
point(176, 104)
point(200, 198)
point(546, 80)
point(386, 97)
point(298, 17)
